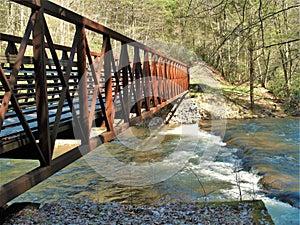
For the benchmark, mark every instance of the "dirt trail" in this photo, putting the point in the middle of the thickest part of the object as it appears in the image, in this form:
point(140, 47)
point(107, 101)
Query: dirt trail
point(220, 99)
point(211, 97)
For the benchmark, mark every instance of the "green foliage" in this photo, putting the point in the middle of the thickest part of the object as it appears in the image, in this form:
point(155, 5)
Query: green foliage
point(218, 32)
point(292, 104)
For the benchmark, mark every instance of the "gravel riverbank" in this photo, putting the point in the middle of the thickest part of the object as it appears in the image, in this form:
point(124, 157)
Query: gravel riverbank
point(115, 213)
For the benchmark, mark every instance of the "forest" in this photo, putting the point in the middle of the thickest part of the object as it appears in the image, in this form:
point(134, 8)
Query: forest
point(249, 41)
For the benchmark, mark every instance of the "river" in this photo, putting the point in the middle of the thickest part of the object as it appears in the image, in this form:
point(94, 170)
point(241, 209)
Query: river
point(257, 159)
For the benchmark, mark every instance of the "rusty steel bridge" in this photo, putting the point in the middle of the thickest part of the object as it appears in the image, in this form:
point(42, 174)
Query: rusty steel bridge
point(49, 91)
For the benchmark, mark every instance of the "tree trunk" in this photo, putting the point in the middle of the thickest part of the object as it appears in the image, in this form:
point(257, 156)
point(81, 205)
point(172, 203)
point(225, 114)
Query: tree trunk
point(251, 72)
point(285, 72)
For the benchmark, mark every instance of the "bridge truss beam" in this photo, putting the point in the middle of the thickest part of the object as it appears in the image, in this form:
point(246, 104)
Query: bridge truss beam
point(64, 92)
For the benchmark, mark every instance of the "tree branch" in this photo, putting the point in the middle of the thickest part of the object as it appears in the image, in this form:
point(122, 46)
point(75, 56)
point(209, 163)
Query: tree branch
point(282, 43)
point(252, 25)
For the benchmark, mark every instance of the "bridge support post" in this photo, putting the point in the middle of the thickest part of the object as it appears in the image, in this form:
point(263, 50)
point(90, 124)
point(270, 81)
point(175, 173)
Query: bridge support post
point(110, 111)
point(154, 80)
point(83, 86)
point(124, 63)
point(146, 80)
point(138, 73)
point(160, 80)
point(169, 81)
point(41, 89)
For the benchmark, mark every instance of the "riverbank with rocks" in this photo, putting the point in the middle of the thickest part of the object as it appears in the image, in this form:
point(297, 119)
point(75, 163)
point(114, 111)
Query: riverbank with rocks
point(212, 98)
point(246, 212)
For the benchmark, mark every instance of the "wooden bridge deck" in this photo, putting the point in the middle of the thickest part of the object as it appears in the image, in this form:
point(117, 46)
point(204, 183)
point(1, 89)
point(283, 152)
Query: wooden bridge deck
point(64, 92)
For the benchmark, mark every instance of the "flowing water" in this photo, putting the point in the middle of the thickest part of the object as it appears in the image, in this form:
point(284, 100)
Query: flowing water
point(183, 163)
point(270, 147)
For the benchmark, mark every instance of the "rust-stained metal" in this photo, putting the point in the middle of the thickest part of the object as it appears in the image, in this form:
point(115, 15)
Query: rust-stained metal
point(154, 80)
point(147, 80)
point(83, 86)
point(110, 110)
point(45, 97)
point(39, 53)
point(138, 75)
point(123, 66)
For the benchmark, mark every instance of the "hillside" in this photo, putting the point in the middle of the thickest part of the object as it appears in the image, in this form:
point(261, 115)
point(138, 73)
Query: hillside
point(219, 99)
point(211, 97)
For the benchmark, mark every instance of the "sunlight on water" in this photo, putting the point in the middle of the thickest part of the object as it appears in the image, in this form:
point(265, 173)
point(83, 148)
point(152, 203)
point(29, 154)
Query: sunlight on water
point(9, 171)
point(282, 213)
point(187, 165)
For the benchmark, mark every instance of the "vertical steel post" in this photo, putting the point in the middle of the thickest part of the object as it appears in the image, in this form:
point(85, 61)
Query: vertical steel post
point(188, 78)
point(177, 79)
point(160, 81)
point(169, 80)
point(124, 62)
point(137, 71)
point(147, 85)
point(41, 88)
point(83, 85)
point(110, 111)
point(173, 79)
point(154, 80)
point(165, 80)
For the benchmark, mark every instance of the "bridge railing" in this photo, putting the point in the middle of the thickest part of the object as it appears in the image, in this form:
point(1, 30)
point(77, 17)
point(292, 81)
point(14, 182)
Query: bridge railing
point(60, 91)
